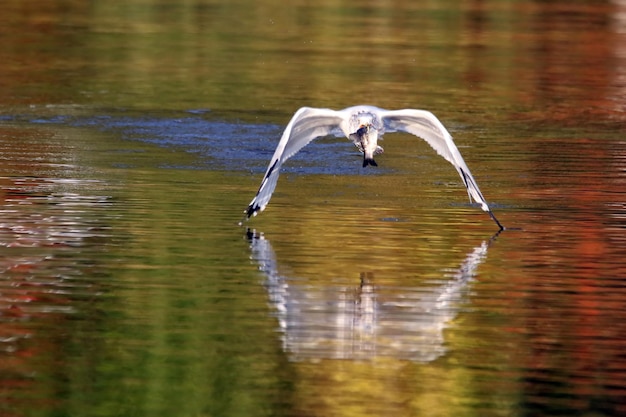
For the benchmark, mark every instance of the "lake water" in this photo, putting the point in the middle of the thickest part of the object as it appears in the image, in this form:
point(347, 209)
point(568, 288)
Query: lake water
point(134, 134)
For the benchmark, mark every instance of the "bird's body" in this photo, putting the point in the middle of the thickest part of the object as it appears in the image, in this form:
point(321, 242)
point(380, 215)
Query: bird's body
point(364, 125)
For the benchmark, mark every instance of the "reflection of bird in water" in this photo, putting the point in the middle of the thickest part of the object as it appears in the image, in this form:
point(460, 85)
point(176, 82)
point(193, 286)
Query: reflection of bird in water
point(364, 125)
point(341, 320)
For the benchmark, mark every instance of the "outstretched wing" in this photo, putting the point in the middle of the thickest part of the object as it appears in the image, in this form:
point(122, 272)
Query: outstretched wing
point(305, 125)
point(425, 125)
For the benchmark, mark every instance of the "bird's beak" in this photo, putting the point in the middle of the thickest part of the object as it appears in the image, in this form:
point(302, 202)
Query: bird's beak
point(363, 129)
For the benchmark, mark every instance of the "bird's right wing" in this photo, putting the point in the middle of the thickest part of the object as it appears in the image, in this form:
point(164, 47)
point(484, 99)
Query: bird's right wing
point(305, 125)
point(425, 125)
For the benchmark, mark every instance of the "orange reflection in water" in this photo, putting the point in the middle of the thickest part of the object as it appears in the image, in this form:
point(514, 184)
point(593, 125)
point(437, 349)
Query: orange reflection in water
point(42, 236)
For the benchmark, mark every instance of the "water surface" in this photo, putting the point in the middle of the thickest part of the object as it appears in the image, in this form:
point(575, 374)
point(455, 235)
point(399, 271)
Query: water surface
point(132, 137)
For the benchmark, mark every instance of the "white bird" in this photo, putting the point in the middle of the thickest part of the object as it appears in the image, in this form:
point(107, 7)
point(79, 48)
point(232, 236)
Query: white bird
point(364, 125)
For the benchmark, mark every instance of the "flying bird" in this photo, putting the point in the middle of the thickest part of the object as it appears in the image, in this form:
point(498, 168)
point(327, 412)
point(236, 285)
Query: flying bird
point(364, 125)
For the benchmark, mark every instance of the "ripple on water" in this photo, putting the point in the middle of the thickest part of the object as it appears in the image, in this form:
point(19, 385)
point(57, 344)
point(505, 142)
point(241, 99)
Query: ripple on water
point(48, 228)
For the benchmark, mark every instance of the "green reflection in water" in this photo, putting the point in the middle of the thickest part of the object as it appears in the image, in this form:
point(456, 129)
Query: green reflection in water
point(169, 317)
point(494, 59)
point(177, 322)
point(192, 335)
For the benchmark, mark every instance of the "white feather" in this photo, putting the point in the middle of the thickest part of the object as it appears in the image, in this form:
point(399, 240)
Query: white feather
point(309, 123)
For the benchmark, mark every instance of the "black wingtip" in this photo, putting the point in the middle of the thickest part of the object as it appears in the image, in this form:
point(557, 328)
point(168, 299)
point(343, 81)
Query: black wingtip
point(247, 213)
point(251, 210)
point(496, 220)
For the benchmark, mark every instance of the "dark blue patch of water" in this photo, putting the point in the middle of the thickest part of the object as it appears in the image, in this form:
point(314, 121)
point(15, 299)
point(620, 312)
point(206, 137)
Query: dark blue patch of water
point(225, 145)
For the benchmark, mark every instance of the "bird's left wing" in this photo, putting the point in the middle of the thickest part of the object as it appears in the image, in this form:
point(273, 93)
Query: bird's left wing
point(425, 125)
point(305, 125)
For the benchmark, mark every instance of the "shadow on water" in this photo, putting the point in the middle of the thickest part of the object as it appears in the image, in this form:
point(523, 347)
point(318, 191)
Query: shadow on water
point(343, 320)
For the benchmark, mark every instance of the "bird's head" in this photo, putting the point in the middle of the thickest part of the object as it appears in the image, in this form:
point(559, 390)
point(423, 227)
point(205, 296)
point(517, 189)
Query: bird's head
point(363, 129)
point(363, 123)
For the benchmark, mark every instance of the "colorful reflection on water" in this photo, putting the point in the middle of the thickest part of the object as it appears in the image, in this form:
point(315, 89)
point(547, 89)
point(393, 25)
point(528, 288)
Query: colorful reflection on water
point(341, 320)
point(133, 135)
